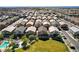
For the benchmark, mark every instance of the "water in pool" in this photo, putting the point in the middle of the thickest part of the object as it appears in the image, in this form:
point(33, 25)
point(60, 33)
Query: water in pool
point(4, 44)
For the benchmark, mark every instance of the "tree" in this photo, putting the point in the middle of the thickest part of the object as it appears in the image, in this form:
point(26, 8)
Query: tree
point(76, 35)
point(24, 45)
point(32, 37)
point(1, 36)
point(56, 36)
point(64, 27)
point(14, 47)
point(29, 33)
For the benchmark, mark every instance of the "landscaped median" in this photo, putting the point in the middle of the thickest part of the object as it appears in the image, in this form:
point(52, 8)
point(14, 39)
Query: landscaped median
point(45, 46)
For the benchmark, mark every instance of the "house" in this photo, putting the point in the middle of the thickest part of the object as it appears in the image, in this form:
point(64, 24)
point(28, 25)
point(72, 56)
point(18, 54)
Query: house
point(34, 18)
point(38, 17)
point(8, 22)
point(18, 22)
point(44, 17)
point(42, 33)
point(24, 21)
point(46, 23)
point(42, 30)
point(63, 25)
point(38, 23)
point(30, 31)
point(53, 23)
point(53, 31)
point(49, 17)
point(55, 18)
point(73, 29)
point(8, 31)
point(30, 23)
point(31, 14)
point(2, 25)
point(19, 31)
point(28, 17)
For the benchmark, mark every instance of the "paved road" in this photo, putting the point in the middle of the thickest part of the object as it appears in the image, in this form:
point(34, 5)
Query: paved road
point(71, 39)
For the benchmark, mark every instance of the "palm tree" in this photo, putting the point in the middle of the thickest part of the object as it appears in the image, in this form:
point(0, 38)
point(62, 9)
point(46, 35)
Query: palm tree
point(24, 45)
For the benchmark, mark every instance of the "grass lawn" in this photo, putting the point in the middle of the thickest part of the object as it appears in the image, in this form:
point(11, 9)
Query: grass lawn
point(46, 46)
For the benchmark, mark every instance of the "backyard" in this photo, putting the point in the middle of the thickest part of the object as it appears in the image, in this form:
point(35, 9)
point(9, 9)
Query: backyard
point(45, 46)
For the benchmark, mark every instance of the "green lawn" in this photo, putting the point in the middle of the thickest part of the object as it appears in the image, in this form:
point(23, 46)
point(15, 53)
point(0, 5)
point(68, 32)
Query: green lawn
point(46, 46)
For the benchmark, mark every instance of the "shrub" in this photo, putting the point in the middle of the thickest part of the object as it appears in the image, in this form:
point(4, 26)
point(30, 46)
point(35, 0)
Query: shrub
point(54, 34)
point(64, 27)
point(24, 45)
point(58, 38)
point(6, 33)
point(32, 37)
point(14, 46)
point(1, 36)
point(29, 33)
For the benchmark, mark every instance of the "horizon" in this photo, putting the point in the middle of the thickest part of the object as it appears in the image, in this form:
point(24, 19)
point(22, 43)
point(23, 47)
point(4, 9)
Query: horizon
point(39, 6)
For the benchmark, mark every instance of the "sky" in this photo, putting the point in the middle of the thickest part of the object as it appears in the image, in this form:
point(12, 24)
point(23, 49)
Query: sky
point(39, 3)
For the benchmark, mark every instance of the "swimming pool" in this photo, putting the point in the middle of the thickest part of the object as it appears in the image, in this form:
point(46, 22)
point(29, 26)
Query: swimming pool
point(4, 44)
